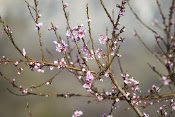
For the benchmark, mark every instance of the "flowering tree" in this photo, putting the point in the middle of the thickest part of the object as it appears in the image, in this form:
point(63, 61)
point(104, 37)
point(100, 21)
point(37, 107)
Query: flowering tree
point(78, 51)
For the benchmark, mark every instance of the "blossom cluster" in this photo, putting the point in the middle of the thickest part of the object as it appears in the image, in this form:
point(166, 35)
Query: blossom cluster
point(79, 33)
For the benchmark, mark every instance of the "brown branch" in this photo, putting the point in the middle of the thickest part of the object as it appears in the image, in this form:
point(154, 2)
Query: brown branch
point(97, 61)
point(28, 107)
point(136, 109)
point(50, 80)
point(12, 40)
point(79, 52)
point(148, 47)
point(109, 16)
point(137, 17)
point(47, 63)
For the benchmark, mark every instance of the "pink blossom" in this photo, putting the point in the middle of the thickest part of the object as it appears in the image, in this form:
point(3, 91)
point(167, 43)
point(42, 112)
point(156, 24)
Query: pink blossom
point(39, 25)
point(117, 99)
point(91, 54)
point(81, 33)
point(77, 113)
point(87, 85)
point(48, 83)
point(46, 95)
point(62, 63)
point(119, 55)
point(146, 115)
point(117, 5)
point(100, 98)
point(89, 19)
point(55, 62)
point(127, 94)
point(155, 23)
point(39, 15)
point(134, 34)
point(107, 74)
point(103, 39)
point(51, 68)
point(56, 27)
point(61, 47)
point(79, 77)
point(13, 80)
point(173, 107)
point(120, 14)
point(89, 76)
point(40, 70)
point(67, 34)
point(65, 5)
point(84, 49)
point(99, 52)
point(16, 63)
point(49, 29)
point(23, 52)
point(6, 28)
point(165, 80)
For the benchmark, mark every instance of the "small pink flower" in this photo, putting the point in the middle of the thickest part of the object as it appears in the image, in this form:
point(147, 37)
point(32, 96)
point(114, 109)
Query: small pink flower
point(89, 76)
point(48, 83)
point(91, 54)
point(107, 74)
point(117, 99)
point(100, 98)
point(39, 25)
point(56, 27)
point(77, 113)
point(87, 85)
point(67, 34)
point(120, 14)
point(6, 28)
point(127, 94)
point(24, 52)
point(81, 33)
point(103, 39)
point(134, 34)
point(79, 77)
point(117, 5)
point(51, 68)
point(46, 95)
point(119, 55)
point(62, 63)
point(65, 5)
point(173, 107)
point(49, 29)
point(16, 63)
point(39, 15)
point(155, 23)
point(13, 80)
point(99, 52)
point(89, 19)
point(165, 80)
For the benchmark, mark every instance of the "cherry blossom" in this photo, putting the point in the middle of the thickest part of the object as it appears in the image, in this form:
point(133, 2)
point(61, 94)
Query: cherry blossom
point(65, 5)
point(165, 80)
point(39, 25)
point(24, 52)
point(77, 113)
point(103, 39)
point(62, 63)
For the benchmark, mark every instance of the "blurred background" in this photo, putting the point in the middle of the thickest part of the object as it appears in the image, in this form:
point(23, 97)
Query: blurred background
point(134, 55)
